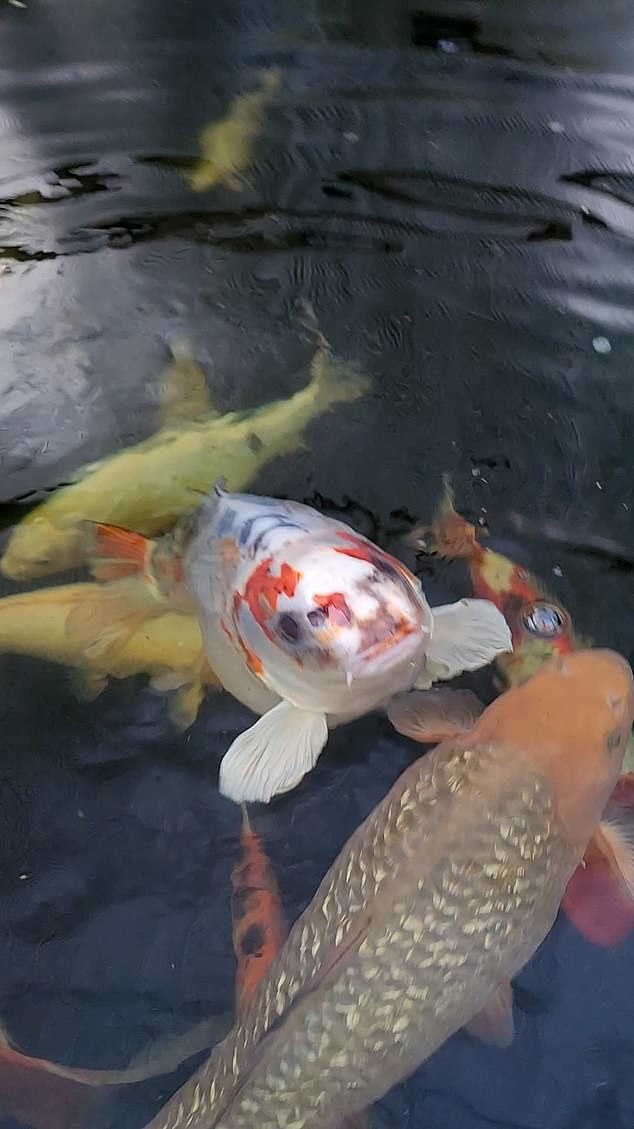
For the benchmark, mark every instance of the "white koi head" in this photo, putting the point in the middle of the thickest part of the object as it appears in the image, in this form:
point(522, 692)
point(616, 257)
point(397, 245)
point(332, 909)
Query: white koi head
point(323, 617)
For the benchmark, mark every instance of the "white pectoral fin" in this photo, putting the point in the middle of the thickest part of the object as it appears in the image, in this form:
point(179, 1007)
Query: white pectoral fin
point(273, 755)
point(466, 636)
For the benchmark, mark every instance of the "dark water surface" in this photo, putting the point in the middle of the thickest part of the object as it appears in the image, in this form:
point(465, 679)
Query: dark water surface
point(453, 189)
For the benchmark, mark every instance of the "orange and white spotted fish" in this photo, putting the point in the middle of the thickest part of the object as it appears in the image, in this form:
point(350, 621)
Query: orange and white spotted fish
point(306, 622)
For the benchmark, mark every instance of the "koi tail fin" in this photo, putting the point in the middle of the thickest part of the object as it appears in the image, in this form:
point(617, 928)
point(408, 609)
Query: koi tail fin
point(182, 387)
point(449, 535)
point(47, 1095)
point(333, 379)
point(599, 898)
point(34, 1093)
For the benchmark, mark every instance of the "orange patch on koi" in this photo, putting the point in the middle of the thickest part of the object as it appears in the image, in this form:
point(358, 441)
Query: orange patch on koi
point(336, 605)
point(262, 590)
point(259, 927)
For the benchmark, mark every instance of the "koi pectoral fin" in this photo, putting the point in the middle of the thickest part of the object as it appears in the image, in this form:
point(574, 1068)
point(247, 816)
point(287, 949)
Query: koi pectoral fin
point(494, 1024)
point(106, 619)
point(114, 552)
point(434, 715)
point(32, 1092)
point(466, 635)
point(273, 755)
point(615, 838)
point(599, 898)
point(87, 685)
point(185, 704)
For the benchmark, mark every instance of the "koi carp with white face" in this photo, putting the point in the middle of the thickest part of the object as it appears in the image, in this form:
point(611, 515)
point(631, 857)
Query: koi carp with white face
point(312, 625)
point(306, 622)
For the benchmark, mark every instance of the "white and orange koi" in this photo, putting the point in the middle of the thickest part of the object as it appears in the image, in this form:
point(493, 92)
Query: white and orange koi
point(306, 622)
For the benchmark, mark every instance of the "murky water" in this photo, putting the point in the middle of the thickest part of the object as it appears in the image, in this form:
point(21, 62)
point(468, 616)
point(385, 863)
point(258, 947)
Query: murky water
point(452, 189)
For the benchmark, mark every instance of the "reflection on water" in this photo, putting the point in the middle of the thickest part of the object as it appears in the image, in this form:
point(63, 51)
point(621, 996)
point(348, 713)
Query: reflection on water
point(451, 188)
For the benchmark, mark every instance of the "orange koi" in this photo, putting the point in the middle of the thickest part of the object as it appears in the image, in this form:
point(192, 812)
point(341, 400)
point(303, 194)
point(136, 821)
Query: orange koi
point(259, 925)
point(600, 896)
point(541, 627)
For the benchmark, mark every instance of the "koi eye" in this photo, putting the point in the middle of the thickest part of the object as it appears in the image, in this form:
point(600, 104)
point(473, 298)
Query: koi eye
point(317, 617)
point(544, 620)
point(288, 627)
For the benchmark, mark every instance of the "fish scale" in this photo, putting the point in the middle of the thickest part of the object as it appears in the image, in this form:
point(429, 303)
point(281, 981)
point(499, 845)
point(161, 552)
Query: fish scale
point(471, 847)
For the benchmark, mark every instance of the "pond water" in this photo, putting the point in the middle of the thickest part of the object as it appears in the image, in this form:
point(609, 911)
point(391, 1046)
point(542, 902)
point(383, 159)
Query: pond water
point(451, 187)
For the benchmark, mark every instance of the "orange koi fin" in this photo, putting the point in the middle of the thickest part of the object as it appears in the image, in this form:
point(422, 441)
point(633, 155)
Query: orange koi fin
point(114, 552)
point(102, 623)
point(449, 534)
point(434, 715)
point(494, 1024)
point(47, 1095)
point(599, 898)
point(259, 927)
point(35, 1094)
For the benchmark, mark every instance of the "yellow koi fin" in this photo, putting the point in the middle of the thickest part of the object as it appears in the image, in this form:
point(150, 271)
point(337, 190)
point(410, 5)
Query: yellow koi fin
point(182, 387)
point(185, 704)
point(188, 688)
point(88, 684)
point(105, 622)
point(227, 145)
point(334, 380)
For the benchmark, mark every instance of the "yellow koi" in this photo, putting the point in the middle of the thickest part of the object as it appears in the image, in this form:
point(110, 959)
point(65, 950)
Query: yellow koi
point(167, 647)
point(227, 145)
point(148, 486)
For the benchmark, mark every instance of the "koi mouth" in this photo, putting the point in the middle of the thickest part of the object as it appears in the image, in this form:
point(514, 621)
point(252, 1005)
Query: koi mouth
point(378, 641)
